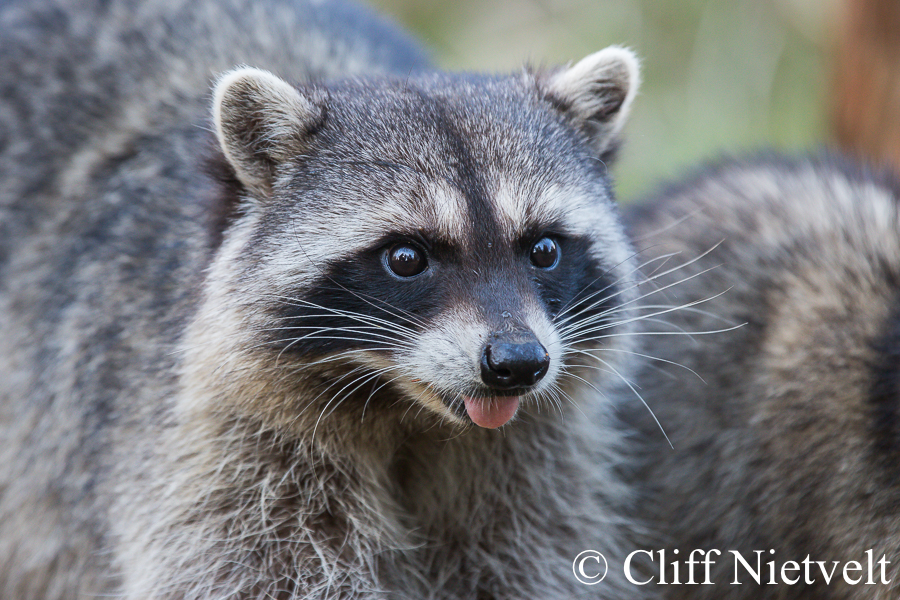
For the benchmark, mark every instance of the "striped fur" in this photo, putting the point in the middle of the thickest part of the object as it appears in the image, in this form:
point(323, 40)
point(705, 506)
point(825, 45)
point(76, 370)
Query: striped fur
point(212, 386)
point(789, 440)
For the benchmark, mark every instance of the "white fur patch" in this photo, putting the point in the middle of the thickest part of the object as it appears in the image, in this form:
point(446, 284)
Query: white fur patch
point(446, 358)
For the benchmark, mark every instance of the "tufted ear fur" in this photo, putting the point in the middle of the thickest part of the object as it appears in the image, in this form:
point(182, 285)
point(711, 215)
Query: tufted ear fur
point(262, 121)
point(596, 94)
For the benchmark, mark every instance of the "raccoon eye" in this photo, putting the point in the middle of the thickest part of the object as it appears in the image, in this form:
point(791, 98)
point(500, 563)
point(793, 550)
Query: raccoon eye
point(545, 253)
point(405, 260)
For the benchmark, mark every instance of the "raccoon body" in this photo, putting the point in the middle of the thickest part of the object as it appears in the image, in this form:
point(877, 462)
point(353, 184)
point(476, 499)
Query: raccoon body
point(266, 353)
point(788, 442)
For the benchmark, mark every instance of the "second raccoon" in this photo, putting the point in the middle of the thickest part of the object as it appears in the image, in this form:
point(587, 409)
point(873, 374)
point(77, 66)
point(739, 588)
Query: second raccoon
point(786, 434)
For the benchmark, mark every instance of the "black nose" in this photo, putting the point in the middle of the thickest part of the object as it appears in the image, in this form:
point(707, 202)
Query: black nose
point(513, 360)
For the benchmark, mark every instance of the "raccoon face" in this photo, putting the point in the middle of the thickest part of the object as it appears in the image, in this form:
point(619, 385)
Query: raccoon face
point(448, 239)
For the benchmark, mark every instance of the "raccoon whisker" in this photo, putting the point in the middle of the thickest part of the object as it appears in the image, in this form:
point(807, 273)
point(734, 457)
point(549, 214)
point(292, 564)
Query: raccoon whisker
point(455, 432)
point(374, 332)
point(375, 391)
point(348, 330)
point(343, 354)
point(586, 326)
point(409, 318)
point(454, 402)
point(334, 382)
point(584, 334)
point(645, 280)
point(688, 263)
point(366, 371)
point(567, 372)
point(577, 332)
point(571, 304)
point(652, 276)
point(690, 309)
point(642, 333)
point(668, 226)
point(385, 344)
point(595, 368)
point(677, 328)
point(405, 315)
point(636, 393)
point(574, 334)
point(338, 398)
point(576, 299)
point(367, 320)
point(554, 402)
point(365, 377)
point(376, 337)
point(598, 302)
point(363, 323)
point(290, 301)
point(400, 331)
point(337, 334)
point(633, 284)
point(633, 353)
point(203, 128)
point(299, 368)
point(313, 336)
point(584, 366)
point(657, 290)
point(604, 318)
point(552, 396)
point(411, 405)
point(577, 336)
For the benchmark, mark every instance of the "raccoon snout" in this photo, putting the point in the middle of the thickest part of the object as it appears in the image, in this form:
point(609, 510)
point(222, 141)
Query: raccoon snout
point(513, 360)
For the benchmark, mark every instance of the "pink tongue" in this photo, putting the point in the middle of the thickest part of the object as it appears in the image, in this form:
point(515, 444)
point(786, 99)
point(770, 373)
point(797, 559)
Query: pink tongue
point(491, 413)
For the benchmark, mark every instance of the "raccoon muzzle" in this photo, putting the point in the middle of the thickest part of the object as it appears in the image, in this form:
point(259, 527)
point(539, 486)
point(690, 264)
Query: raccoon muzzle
point(510, 362)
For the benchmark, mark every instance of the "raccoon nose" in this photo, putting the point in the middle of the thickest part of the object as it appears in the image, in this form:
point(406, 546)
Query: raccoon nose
point(512, 361)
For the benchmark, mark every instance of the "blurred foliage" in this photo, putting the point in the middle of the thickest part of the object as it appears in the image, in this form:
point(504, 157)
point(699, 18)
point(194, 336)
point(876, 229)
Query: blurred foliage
point(718, 76)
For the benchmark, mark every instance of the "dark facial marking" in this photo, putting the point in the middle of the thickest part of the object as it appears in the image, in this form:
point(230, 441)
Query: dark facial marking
point(356, 303)
point(575, 284)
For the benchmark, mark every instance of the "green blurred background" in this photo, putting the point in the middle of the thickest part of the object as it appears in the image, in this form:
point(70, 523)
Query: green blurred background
point(718, 76)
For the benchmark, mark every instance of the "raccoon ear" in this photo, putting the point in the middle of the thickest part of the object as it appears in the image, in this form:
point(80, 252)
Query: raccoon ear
point(596, 93)
point(261, 121)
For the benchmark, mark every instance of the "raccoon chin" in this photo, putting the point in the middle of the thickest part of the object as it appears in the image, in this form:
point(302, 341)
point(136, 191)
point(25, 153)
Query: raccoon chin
point(491, 413)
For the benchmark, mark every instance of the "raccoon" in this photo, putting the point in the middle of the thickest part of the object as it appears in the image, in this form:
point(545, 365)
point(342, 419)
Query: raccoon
point(347, 336)
point(786, 433)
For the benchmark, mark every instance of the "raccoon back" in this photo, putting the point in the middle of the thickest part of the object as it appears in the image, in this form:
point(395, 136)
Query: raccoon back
point(785, 434)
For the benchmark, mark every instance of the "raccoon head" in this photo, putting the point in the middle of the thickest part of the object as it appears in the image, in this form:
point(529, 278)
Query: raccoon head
point(442, 245)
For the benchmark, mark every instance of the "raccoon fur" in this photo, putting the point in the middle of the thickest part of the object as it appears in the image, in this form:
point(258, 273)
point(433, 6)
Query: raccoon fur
point(786, 435)
point(343, 337)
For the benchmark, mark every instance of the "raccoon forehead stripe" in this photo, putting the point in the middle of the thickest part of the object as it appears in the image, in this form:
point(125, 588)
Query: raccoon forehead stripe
point(325, 236)
point(519, 209)
point(446, 207)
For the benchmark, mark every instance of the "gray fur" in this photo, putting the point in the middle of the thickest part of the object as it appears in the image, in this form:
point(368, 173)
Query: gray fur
point(789, 440)
point(158, 442)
